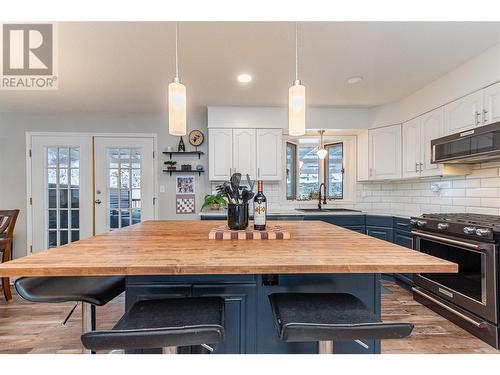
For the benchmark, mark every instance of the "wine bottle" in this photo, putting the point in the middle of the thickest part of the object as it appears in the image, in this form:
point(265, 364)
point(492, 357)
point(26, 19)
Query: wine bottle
point(259, 209)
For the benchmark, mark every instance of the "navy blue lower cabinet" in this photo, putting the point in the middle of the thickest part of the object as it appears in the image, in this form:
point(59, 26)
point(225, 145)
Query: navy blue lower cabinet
point(240, 316)
point(357, 228)
point(385, 234)
point(249, 322)
point(405, 239)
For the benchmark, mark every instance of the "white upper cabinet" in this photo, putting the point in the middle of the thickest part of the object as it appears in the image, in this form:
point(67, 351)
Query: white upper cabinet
point(244, 152)
point(269, 154)
point(220, 158)
point(385, 153)
point(491, 104)
point(362, 157)
point(412, 148)
point(257, 152)
point(464, 113)
point(432, 127)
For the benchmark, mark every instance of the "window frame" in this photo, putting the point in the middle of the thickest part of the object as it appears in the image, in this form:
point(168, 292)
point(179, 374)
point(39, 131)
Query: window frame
point(326, 176)
point(295, 147)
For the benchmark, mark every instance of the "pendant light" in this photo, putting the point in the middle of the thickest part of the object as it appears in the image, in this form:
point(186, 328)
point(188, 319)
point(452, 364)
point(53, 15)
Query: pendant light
point(322, 150)
point(296, 100)
point(177, 97)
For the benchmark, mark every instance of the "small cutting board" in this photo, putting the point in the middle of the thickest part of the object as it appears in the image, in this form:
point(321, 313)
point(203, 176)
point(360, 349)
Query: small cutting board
point(272, 232)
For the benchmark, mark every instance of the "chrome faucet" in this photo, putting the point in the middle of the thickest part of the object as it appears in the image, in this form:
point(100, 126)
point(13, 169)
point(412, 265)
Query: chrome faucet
point(319, 195)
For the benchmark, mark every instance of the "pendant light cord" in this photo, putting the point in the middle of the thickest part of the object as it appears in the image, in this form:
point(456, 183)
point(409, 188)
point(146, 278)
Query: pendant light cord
point(177, 50)
point(296, 53)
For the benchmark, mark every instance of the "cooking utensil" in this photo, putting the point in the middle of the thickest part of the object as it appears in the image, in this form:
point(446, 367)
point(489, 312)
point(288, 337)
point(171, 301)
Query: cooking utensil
point(235, 184)
point(250, 182)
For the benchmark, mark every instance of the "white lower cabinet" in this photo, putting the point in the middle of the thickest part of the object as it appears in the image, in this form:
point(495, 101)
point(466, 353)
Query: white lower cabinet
point(384, 145)
point(256, 152)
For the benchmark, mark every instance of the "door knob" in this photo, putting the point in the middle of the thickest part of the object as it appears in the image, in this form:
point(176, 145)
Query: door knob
point(97, 201)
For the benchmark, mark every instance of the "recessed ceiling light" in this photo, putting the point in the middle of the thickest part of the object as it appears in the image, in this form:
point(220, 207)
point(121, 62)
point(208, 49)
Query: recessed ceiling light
point(244, 78)
point(355, 79)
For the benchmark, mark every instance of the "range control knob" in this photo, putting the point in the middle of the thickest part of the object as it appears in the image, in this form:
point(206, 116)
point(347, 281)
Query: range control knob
point(421, 223)
point(469, 230)
point(482, 232)
point(442, 226)
point(413, 222)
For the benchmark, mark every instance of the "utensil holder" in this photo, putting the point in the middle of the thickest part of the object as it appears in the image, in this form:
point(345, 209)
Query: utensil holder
point(237, 216)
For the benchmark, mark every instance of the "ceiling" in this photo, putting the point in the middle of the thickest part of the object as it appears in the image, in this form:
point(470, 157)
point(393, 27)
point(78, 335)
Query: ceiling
point(127, 66)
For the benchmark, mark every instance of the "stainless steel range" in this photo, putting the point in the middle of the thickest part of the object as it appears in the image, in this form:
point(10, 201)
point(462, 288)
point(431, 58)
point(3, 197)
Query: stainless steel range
point(469, 298)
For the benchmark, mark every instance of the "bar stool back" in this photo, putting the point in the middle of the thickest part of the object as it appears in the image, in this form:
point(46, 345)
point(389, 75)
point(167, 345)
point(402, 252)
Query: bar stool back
point(8, 220)
point(327, 317)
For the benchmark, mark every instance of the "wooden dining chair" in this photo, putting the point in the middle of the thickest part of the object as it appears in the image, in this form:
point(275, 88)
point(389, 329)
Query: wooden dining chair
point(7, 223)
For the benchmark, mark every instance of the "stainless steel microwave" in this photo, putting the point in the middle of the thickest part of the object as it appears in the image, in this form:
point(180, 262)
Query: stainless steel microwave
point(468, 147)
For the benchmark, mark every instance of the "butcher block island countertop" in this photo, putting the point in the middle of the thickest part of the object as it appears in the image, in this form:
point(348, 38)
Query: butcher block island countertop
point(183, 247)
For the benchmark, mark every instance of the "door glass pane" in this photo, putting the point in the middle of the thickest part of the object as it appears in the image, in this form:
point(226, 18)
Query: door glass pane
point(62, 172)
point(335, 170)
point(308, 171)
point(124, 193)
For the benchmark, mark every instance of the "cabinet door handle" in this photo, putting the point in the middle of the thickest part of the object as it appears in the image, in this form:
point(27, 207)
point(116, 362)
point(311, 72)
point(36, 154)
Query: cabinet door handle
point(421, 167)
point(416, 167)
point(485, 118)
point(258, 172)
point(478, 121)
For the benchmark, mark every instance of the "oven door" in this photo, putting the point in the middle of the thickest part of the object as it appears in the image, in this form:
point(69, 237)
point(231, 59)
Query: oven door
point(474, 286)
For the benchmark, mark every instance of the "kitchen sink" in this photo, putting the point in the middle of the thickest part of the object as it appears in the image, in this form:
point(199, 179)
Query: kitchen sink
point(326, 210)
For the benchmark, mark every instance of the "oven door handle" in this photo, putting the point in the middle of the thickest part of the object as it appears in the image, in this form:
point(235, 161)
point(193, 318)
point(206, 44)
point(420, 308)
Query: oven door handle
point(447, 240)
point(446, 307)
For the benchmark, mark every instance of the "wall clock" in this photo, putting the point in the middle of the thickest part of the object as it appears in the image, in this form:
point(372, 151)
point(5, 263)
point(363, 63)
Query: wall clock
point(196, 138)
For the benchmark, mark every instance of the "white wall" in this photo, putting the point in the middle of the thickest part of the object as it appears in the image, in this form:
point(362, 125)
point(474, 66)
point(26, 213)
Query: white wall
point(477, 73)
point(13, 127)
point(277, 117)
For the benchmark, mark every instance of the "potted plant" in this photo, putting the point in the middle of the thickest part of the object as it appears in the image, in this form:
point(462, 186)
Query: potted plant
point(214, 201)
point(171, 165)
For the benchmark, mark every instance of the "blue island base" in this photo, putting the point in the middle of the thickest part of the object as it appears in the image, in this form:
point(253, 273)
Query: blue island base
point(249, 322)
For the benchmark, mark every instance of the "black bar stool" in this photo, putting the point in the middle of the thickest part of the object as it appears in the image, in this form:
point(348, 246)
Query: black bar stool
point(163, 324)
point(90, 291)
point(326, 317)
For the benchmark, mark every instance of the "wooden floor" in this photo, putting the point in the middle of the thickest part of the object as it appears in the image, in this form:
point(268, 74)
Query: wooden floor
point(36, 328)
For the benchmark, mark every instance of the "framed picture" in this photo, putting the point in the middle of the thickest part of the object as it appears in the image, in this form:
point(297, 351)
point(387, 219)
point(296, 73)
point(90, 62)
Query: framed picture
point(185, 204)
point(184, 185)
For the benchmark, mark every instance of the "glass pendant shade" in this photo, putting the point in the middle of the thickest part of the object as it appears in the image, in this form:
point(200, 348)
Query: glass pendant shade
point(297, 109)
point(177, 108)
point(322, 153)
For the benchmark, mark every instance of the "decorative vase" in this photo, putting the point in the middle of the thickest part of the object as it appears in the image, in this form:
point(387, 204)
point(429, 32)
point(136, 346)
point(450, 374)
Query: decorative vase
point(237, 216)
point(182, 146)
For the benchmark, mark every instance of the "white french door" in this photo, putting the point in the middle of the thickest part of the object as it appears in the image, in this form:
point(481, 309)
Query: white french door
point(61, 190)
point(69, 202)
point(124, 189)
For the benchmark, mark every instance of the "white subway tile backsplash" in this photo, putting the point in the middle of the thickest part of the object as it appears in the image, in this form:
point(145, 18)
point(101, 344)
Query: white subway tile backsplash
point(478, 192)
point(482, 192)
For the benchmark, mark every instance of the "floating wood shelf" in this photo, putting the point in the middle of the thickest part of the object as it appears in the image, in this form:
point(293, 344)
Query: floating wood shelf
point(181, 171)
point(170, 153)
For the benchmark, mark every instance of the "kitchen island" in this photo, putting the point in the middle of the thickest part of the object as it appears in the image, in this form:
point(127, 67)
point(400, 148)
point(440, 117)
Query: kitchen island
point(175, 258)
